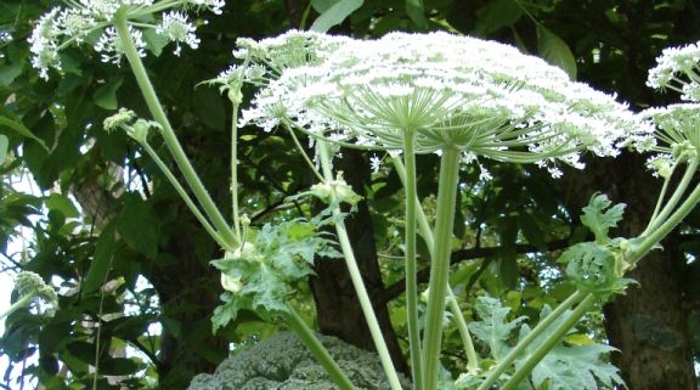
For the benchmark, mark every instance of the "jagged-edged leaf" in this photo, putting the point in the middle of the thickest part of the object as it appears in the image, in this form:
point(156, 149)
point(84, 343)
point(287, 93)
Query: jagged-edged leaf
point(494, 329)
point(596, 218)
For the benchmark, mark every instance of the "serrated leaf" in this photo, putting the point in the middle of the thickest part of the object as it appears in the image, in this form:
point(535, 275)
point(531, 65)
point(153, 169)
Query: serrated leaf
point(600, 221)
point(494, 329)
point(335, 15)
point(555, 51)
point(569, 368)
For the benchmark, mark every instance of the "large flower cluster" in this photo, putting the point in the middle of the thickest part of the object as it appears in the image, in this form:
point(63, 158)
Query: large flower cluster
point(678, 125)
point(73, 25)
point(447, 91)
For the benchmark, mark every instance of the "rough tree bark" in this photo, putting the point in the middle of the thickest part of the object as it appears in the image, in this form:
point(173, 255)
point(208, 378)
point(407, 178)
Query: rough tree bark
point(648, 324)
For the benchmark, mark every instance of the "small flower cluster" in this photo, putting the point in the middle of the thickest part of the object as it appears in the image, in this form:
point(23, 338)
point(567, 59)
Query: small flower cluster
point(63, 27)
point(678, 125)
point(447, 91)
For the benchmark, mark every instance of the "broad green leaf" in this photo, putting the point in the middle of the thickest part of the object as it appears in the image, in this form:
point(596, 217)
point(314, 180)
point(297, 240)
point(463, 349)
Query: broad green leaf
point(62, 204)
point(138, 226)
point(335, 15)
point(106, 95)
point(416, 11)
point(600, 221)
point(322, 6)
point(555, 51)
point(154, 41)
point(9, 73)
point(495, 15)
point(101, 261)
point(19, 128)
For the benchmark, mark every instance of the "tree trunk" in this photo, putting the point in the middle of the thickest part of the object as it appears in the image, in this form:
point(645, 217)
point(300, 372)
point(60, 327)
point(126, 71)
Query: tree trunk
point(338, 309)
point(648, 324)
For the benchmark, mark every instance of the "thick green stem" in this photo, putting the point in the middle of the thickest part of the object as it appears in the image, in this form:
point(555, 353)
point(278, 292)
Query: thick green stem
point(411, 266)
point(427, 235)
point(440, 266)
point(544, 323)
point(156, 109)
point(356, 276)
point(542, 350)
point(320, 353)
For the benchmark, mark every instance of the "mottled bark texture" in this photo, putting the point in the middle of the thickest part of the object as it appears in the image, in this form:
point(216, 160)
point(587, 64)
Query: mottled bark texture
point(337, 306)
point(648, 324)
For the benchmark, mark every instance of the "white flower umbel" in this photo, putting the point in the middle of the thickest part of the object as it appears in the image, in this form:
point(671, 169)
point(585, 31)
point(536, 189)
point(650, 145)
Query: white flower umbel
point(678, 132)
point(71, 26)
point(677, 69)
point(461, 97)
point(449, 91)
point(177, 28)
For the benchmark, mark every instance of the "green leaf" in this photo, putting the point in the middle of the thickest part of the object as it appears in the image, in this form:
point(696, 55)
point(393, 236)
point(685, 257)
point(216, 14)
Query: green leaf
point(210, 108)
point(268, 268)
point(101, 261)
point(494, 329)
point(106, 95)
point(577, 367)
point(61, 203)
point(20, 129)
point(600, 221)
point(555, 51)
point(139, 226)
point(335, 15)
point(495, 15)
point(9, 73)
point(416, 11)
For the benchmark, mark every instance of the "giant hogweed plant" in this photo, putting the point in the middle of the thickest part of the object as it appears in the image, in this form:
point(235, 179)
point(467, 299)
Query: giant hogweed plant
point(461, 98)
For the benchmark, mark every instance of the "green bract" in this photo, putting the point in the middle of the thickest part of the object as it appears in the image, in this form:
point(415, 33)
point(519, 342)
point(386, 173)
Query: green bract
point(480, 97)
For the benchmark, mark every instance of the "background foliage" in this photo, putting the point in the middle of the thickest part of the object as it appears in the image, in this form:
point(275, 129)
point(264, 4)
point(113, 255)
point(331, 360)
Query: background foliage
point(107, 219)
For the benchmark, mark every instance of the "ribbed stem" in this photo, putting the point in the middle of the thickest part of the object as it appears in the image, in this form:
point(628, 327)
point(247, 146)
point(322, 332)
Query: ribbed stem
point(440, 266)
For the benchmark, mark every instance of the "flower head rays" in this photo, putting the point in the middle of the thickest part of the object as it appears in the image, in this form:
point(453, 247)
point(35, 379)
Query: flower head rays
point(447, 91)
